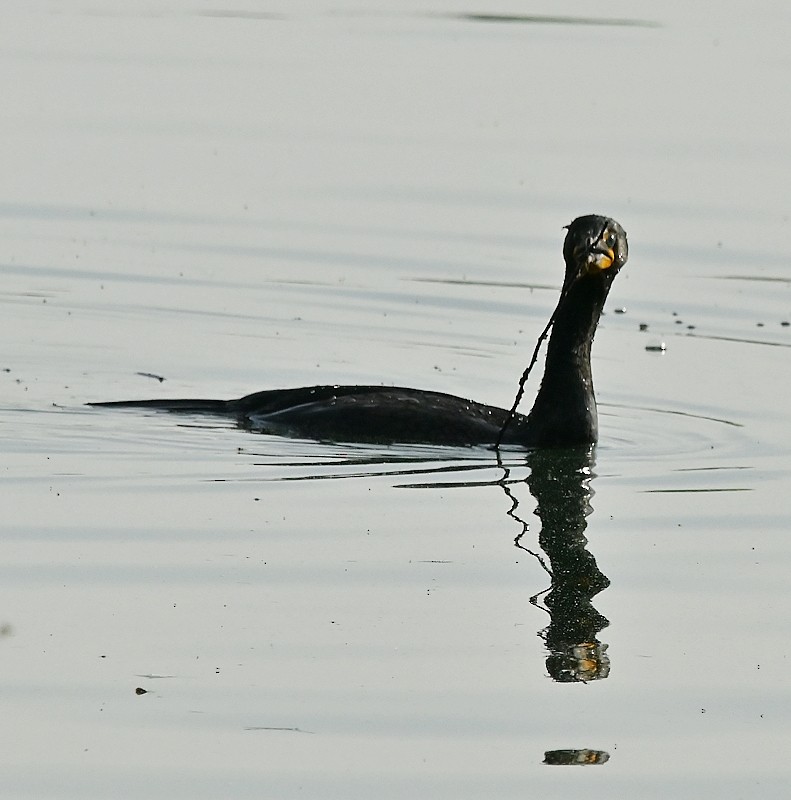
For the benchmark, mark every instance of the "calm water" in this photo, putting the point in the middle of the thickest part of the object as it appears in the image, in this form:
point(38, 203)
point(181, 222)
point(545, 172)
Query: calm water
point(295, 193)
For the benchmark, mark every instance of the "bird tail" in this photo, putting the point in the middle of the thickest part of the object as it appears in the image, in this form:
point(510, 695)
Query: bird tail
point(186, 406)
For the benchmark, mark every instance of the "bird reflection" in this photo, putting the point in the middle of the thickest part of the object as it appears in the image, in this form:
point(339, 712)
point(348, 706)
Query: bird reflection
point(559, 481)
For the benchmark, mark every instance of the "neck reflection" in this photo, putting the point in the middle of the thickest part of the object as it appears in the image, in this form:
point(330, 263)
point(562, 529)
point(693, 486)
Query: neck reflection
point(560, 483)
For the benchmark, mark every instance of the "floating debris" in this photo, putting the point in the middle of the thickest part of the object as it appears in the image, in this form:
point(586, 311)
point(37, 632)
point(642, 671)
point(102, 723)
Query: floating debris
point(659, 347)
point(576, 757)
point(150, 375)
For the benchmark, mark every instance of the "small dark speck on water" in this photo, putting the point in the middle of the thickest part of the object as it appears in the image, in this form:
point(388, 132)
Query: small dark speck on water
point(643, 326)
point(139, 690)
point(785, 323)
point(621, 310)
point(150, 375)
point(759, 324)
point(661, 347)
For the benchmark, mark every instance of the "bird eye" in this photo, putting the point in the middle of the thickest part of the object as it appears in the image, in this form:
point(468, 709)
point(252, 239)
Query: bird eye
point(609, 238)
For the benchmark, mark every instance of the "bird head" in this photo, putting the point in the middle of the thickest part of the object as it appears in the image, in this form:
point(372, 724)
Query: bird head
point(594, 245)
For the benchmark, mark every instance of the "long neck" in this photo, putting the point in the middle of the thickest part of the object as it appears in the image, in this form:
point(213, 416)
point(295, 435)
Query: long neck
point(564, 412)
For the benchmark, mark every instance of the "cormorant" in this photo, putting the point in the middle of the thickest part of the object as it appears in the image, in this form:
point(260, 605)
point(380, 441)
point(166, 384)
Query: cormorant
point(564, 412)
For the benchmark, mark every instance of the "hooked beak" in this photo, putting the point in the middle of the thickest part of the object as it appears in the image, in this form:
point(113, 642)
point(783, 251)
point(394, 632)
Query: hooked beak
point(599, 258)
point(595, 255)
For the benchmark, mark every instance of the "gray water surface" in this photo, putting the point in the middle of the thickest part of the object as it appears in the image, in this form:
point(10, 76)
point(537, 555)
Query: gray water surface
point(274, 195)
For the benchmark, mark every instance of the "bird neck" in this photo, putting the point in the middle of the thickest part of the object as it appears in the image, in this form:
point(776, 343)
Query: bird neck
point(564, 412)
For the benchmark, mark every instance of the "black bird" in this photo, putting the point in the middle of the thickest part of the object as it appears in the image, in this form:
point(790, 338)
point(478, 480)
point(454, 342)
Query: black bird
point(564, 412)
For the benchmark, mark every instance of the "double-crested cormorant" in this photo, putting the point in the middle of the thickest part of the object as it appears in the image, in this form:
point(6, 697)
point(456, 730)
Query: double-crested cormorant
point(564, 412)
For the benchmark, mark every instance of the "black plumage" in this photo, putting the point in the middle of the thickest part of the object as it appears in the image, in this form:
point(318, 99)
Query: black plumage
point(564, 412)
